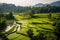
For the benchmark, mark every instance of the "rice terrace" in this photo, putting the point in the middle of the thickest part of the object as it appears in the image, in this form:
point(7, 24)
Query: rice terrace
point(37, 22)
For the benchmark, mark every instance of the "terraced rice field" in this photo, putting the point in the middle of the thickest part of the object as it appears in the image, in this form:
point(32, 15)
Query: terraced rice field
point(35, 24)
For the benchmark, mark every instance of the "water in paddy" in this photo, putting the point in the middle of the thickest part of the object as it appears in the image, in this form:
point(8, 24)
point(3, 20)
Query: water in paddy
point(13, 25)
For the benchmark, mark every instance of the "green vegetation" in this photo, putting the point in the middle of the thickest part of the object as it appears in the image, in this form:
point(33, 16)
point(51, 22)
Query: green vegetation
point(42, 23)
point(38, 23)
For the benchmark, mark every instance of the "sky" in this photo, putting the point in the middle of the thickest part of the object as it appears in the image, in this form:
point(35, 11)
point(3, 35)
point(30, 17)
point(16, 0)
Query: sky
point(26, 2)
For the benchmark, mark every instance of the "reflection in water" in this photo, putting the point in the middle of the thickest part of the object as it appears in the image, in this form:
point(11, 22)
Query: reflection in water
point(8, 28)
point(17, 27)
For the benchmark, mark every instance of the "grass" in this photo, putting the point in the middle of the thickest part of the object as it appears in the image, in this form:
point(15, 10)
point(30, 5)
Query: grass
point(17, 37)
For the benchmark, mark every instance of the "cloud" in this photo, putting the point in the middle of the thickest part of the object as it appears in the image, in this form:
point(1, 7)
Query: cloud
point(26, 2)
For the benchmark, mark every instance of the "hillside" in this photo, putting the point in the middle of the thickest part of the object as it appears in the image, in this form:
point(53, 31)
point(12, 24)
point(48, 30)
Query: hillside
point(57, 3)
point(11, 8)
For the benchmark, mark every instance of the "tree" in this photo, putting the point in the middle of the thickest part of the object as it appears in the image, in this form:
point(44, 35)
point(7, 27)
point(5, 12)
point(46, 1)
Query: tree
point(10, 16)
point(30, 34)
point(40, 36)
point(57, 27)
point(49, 16)
point(29, 13)
point(2, 28)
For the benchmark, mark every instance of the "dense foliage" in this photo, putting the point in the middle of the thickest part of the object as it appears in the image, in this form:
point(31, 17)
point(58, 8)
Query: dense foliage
point(46, 9)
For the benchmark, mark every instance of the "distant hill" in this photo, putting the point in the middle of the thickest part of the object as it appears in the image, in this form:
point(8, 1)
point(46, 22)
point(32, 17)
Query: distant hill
point(39, 5)
point(7, 7)
point(12, 8)
point(57, 3)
